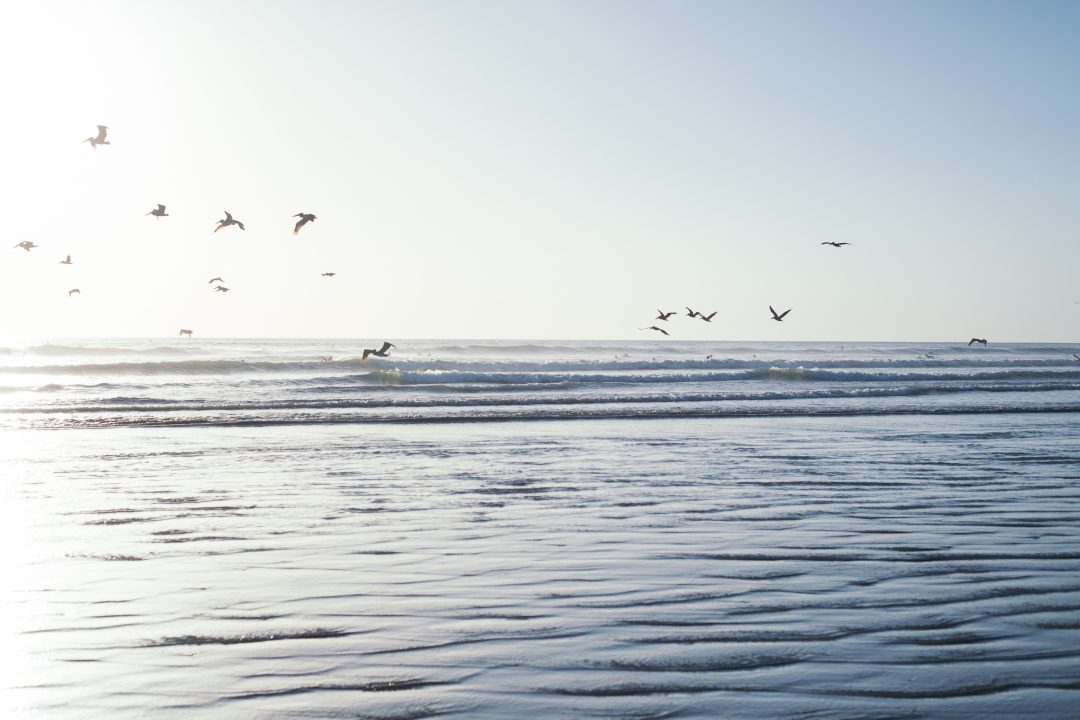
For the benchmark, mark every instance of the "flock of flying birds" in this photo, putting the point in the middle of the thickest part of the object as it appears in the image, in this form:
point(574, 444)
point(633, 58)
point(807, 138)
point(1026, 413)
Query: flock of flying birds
point(778, 317)
point(219, 284)
point(159, 212)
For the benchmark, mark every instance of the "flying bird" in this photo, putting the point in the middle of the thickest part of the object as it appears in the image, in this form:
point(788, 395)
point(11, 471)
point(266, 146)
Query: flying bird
point(779, 317)
point(835, 244)
point(228, 221)
point(665, 315)
point(305, 218)
point(66, 261)
point(709, 317)
point(691, 313)
point(215, 280)
point(102, 131)
point(74, 291)
point(653, 327)
point(221, 288)
point(1076, 356)
point(159, 212)
point(184, 331)
point(26, 245)
point(981, 341)
point(329, 274)
point(381, 352)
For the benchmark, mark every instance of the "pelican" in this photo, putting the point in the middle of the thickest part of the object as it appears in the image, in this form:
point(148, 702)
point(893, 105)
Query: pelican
point(835, 244)
point(780, 317)
point(707, 318)
point(66, 261)
point(981, 341)
point(74, 291)
point(221, 288)
point(305, 218)
point(160, 212)
point(653, 327)
point(381, 352)
point(216, 280)
point(25, 245)
point(329, 274)
point(665, 315)
point(184, 331)
point(228, 221)
point(102, 131)
point(691, 313)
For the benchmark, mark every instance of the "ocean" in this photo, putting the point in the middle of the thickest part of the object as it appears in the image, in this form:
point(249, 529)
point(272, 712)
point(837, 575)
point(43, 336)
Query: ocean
point(499, 529)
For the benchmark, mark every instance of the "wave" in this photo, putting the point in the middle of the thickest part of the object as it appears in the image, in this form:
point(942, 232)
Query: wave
point(48, 349)
point(579, 371)
point(547, 414)
point(778, 374)
point(154, 404)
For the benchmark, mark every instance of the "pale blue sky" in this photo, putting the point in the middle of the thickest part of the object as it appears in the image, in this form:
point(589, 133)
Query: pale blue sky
point(545, 169)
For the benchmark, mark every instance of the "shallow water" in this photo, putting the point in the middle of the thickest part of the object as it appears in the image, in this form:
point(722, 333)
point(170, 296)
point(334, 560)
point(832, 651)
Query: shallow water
point(852, 566)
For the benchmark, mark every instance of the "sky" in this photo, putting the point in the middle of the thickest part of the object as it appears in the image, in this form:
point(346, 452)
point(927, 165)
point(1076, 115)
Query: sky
point(492, 169)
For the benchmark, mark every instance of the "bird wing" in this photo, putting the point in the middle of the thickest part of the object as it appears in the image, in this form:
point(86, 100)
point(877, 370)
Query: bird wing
point(710, 316)
point(662, 330)
point(228, 216)
point(784, 313)
point(386, 346)
point(299, 224)
point(843, 243)
point(971, 342)
point(772, 311)
point(367, 351)
point(102, 131)
point(240, 224)
point(161, 208)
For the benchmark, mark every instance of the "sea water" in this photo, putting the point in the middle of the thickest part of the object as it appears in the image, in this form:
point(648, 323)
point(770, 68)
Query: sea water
point(270, 528)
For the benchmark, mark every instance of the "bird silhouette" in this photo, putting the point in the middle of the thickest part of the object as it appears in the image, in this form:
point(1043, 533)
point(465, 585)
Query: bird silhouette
point(74, 291)
point(665, 315)
point(653, 327)
point(981, 341)
point(26, 245)
point(381, 352)
point(305, 218)
point(184, 331)
point(709, 317)
point(779, 317)
point(228, 221)
point(215, 280)
point(66, 261)
point(691, 313)
point(102, 131)
point(329, 274)
point(221, 288)
point(835, 244)
point(159, 212)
